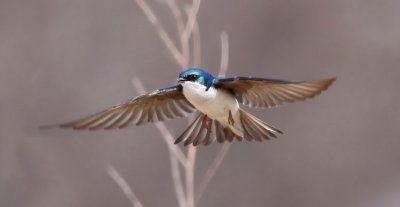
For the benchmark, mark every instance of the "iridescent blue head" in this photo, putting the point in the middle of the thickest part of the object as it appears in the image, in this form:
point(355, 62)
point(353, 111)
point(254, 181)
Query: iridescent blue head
point(197, 75)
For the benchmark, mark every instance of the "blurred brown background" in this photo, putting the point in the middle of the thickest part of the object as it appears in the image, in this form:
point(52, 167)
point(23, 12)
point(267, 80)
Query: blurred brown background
point(64, 59)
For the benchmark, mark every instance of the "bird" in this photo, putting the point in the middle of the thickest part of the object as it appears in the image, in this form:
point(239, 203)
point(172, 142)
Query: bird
point(217, 101)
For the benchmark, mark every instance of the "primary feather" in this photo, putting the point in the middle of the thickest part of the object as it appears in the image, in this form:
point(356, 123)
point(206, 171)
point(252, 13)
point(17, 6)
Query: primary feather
point(265, 93)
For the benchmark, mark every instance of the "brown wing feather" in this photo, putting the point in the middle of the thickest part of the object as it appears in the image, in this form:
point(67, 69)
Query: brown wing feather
point(265, 93)
point(158, 105)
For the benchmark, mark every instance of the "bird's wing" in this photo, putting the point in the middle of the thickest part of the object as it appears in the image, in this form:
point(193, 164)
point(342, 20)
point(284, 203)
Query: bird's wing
point(159, 105)
point(265, 93)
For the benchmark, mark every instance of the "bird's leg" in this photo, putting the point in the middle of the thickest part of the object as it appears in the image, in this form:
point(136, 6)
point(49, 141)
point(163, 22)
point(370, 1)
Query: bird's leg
point(206, 123)
point(230, 118)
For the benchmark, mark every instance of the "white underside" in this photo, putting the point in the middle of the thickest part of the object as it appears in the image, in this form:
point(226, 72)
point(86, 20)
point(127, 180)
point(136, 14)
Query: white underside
point(215, 104)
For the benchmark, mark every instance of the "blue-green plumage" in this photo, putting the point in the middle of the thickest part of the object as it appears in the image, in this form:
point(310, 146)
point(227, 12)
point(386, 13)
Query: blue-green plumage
point(198, 75)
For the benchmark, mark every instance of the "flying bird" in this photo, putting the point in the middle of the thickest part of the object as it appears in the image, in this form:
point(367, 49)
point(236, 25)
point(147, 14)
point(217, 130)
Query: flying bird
point(217, 102)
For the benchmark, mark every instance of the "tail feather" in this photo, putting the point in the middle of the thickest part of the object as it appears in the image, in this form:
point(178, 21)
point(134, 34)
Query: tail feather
point(196, 134)
point(253, 129)
point(189, 131)
point(256, 129)
point(209, 137)
point(200, 136)
point(219, 131)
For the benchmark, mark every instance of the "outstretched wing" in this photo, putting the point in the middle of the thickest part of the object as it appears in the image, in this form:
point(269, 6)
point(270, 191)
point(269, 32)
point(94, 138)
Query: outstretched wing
point(265, 93)
point(158, 105)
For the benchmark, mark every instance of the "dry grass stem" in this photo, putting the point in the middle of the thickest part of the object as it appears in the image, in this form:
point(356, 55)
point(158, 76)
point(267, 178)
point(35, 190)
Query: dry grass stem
point(176, 12)
point(124, 186)
point(196, 45)
point(179, 58)
point(223, 69)
point(174, 150)
point(169, 139)
point(191, 160)
point(137, 83)
point(196, 41)
point(192, 17)
point(177, 179)
point(211, 170)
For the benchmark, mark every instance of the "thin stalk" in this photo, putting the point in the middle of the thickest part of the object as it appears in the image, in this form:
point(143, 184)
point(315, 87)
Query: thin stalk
point(126, 189)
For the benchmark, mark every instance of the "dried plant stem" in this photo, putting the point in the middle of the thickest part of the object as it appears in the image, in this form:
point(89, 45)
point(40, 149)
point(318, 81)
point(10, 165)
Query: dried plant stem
point(175, 171)
point(176, 12)
point(211, 170)
point(223, 69)
point(176, 177)
point(196, 41)
point(192, 18)
point(124, 186)
point(169, 139)
point(189, 168)
point(179, 58)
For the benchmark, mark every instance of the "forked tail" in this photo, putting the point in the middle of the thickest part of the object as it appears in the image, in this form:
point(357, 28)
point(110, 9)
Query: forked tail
point(253, 129)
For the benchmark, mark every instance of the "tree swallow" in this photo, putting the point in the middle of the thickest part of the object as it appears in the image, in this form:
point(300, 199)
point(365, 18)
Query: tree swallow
point(216, 99)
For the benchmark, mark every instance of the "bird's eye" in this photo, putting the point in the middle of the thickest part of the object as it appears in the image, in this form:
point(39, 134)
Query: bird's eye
point(192, 77)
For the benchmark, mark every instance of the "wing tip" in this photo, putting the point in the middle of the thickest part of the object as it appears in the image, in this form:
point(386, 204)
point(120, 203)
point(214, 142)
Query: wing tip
point(328, 82)
point(62, 126)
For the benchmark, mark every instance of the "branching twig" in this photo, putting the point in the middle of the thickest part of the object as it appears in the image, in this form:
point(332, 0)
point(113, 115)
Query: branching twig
point(196, 41)
point(124, 186)
point(176, 12)
point(177, 15)
point(211, 170)
point(224, 54)
point(179, 58)
point(191, 20)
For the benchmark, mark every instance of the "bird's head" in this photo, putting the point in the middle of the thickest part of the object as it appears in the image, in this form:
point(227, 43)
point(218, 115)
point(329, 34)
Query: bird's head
point(196, 75)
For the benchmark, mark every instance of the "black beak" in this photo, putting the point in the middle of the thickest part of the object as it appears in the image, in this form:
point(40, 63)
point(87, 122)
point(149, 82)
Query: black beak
point(181, 80)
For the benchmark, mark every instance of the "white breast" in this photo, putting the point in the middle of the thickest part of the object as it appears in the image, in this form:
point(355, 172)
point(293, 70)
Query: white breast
point(215, 103)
